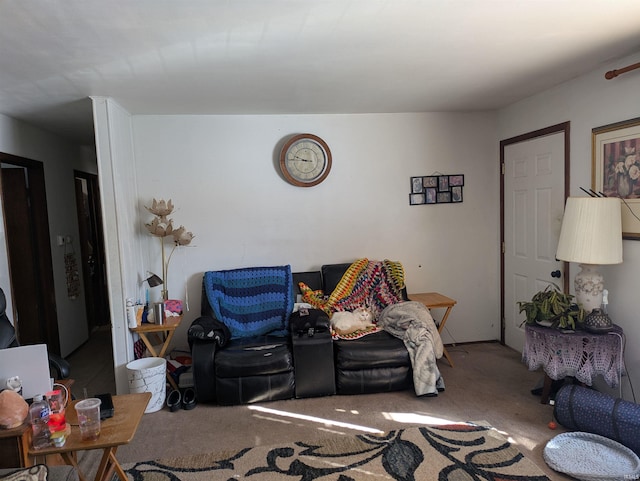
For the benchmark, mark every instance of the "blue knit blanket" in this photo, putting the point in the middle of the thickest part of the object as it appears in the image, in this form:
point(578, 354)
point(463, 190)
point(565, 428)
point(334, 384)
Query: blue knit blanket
point(252, 301)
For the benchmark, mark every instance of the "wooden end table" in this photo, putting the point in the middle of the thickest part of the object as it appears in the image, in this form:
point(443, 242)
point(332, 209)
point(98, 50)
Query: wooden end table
point(435, 300)
point(14, 446)
point(164, 332)
point(14, 442)
point(114, 432)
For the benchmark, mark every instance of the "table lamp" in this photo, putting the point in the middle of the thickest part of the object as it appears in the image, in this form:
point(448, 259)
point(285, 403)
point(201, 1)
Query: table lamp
point(591, 235)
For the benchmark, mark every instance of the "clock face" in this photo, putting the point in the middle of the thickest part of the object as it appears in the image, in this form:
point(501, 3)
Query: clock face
point(305, 160)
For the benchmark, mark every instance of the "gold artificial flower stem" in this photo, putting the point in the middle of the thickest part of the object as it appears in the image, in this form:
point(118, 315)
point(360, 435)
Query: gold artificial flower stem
point(165, 285)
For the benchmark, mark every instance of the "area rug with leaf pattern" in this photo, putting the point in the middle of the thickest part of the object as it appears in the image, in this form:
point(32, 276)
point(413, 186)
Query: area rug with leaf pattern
point(446, 453)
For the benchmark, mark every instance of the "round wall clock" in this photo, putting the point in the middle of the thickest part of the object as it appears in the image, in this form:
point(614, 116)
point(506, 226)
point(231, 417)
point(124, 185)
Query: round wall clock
point(305, 160)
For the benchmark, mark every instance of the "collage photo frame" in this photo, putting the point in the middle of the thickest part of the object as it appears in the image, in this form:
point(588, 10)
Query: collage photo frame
point(436, 189)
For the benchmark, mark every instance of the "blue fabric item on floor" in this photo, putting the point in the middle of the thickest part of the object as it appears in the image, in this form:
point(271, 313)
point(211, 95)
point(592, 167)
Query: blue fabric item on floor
point(252, 301)
point(583, 409)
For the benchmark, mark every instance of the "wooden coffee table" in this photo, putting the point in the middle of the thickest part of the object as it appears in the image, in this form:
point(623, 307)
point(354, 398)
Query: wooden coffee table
point(114, 432)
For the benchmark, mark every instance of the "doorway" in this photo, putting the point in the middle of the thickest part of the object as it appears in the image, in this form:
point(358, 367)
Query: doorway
point(24, 206)
point(89, 213)
point(533, 190)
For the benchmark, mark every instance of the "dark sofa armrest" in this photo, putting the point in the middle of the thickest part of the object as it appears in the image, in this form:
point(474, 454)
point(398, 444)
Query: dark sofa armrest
point(206, 335)
point(208, 329)
point(309, 321)
point(203, 355)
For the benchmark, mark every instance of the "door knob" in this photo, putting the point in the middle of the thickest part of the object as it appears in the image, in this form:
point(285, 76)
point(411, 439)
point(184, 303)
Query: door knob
point(556, 274)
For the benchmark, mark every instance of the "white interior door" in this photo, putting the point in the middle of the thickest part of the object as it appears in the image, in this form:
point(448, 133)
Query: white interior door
point(534, 175)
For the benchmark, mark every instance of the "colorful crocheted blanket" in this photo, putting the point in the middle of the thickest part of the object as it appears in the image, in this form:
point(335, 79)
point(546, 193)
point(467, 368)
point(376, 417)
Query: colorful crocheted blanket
point(252, 301)
point(374, 284)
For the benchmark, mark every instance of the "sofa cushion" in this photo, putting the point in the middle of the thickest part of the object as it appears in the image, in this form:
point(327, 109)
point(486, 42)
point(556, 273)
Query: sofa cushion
point(255, 356)
point(253, 389)
point(376, 350)
point(251, 301)
point(313, 279)
point(331, 275)
point(368, 381)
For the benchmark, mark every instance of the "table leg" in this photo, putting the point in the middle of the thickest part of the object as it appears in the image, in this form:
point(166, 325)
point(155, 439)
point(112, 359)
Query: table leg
point(147, 343)
point(108, 464)
point(71, 460)
point(171, 381)
point(165, 345)
point(119, 471)
point(440, 328)
point(162, 352)
point(546, 389)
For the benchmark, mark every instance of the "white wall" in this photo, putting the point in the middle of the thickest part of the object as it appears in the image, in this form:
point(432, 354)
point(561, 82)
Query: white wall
point(587, 102)
point(59, 159)
point(221, 173)
point(114, 148)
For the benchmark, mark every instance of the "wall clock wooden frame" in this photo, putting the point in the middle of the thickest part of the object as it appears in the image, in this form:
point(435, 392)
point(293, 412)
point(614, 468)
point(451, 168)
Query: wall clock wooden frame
point(314, 163)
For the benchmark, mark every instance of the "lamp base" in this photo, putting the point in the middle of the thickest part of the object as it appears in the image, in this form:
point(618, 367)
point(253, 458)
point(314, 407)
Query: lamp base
point(589, 285)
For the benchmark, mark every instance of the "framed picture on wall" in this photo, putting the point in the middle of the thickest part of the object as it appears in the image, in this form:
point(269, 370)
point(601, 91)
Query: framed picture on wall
point(416, 185)
point(456, 193)
point(616, 169)
point(443, 197)
point(430, 181)
point(443, 183)
point(416, 199)
point(457, 180)
point(436, 189)
point(430, 194)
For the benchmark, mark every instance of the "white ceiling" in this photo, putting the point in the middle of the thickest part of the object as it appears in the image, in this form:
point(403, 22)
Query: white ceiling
point(296, 56)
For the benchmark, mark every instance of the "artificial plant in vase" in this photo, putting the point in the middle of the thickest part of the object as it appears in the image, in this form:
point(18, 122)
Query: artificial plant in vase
point(162, 227)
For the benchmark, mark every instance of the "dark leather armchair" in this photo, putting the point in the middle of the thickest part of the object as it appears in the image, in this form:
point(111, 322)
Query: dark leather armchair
point(58, 367)
point(238, 370)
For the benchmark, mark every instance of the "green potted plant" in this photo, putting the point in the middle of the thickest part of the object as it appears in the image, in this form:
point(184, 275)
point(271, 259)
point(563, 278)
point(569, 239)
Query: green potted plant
point(552, 307)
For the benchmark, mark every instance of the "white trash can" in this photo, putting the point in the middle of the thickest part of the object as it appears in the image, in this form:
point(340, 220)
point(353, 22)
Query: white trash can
point(149, 375)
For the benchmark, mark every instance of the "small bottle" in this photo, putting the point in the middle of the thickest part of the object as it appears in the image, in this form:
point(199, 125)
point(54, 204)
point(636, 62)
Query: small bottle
point(605, 301)
point(39, 419)
point(131, 314)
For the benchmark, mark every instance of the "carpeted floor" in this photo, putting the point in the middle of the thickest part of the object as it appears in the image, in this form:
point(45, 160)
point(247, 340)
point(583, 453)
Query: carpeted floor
point(447, 452)
point(489, 382)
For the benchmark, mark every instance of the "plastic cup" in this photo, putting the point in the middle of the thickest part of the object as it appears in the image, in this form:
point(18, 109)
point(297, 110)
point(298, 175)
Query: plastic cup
point(89, 418)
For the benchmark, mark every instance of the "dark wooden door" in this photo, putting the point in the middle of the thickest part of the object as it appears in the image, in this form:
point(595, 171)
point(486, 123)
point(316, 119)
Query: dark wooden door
point(29, 252)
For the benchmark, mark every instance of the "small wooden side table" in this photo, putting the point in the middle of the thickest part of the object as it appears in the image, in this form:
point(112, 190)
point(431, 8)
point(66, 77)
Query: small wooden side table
point(14, 443)
point(164, 332)
point(14, 446)
point(114, 432)
point(435, 300)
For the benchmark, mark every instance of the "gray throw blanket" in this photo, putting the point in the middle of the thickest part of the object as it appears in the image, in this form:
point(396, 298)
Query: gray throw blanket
point(411, 321)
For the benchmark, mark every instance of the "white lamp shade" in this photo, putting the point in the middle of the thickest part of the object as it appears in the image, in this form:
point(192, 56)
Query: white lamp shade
point(591, 231)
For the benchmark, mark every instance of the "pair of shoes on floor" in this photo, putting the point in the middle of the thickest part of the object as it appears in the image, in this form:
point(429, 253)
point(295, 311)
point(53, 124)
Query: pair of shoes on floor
point(185, 400)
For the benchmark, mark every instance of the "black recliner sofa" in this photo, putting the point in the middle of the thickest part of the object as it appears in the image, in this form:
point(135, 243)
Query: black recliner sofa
point(377, 362)
point(263, 368)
